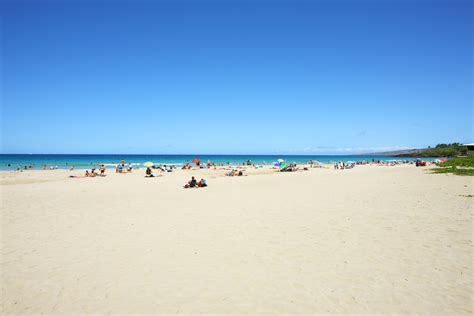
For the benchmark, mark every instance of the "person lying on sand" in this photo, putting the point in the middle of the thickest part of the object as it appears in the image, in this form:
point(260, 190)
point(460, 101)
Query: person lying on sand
point(191, 184)
point(235, 173)
point(290, 168)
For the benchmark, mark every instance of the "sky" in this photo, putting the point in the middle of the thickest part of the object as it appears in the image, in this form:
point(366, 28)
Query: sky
point(234, 77)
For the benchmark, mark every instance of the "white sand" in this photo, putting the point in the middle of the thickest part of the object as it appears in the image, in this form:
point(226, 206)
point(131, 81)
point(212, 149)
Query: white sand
point(367, 240)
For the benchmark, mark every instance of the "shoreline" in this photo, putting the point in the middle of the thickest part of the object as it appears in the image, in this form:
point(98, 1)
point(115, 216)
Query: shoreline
point(7, 162)
point(41, 175)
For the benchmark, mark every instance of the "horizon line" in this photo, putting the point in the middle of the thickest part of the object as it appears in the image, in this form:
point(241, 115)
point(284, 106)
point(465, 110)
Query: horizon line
point(282, 154)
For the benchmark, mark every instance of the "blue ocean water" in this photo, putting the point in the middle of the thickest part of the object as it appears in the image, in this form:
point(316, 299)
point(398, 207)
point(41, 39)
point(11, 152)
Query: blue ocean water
point(12, 161)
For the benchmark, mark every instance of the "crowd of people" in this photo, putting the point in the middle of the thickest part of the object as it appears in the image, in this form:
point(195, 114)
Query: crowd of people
point(25, 167)
point(236, 171)
point(121, 168)
point(93, 173)
point(314, 164)
point(214, 165)
point(197, 164)
point(344, 165)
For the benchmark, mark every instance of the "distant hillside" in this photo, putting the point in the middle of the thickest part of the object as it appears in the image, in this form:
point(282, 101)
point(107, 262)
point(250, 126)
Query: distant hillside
point(399, 152)
point(441, 150)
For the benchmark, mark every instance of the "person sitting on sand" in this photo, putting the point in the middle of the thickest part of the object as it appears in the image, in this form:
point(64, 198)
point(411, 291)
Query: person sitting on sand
point(202, 183)
point(149, 173)
point(87, 173)
point(191, 184)
point(240, 173)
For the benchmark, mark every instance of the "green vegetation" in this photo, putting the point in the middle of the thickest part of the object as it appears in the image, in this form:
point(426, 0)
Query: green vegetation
point(442, 150)
point(463, 166)
point(456, 171)
point(459, 162)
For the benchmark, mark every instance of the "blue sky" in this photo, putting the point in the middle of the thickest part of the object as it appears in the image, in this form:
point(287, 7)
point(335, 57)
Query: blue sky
point(315, 77)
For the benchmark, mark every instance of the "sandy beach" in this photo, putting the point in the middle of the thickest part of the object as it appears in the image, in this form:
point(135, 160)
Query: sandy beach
point(366, 240)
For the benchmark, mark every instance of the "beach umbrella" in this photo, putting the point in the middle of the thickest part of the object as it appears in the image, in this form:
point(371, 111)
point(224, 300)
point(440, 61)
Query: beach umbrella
point(148, 164)
point(280, 160)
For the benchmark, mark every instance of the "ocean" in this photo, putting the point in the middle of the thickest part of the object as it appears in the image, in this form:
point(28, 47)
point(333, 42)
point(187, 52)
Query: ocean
point(12, 161)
